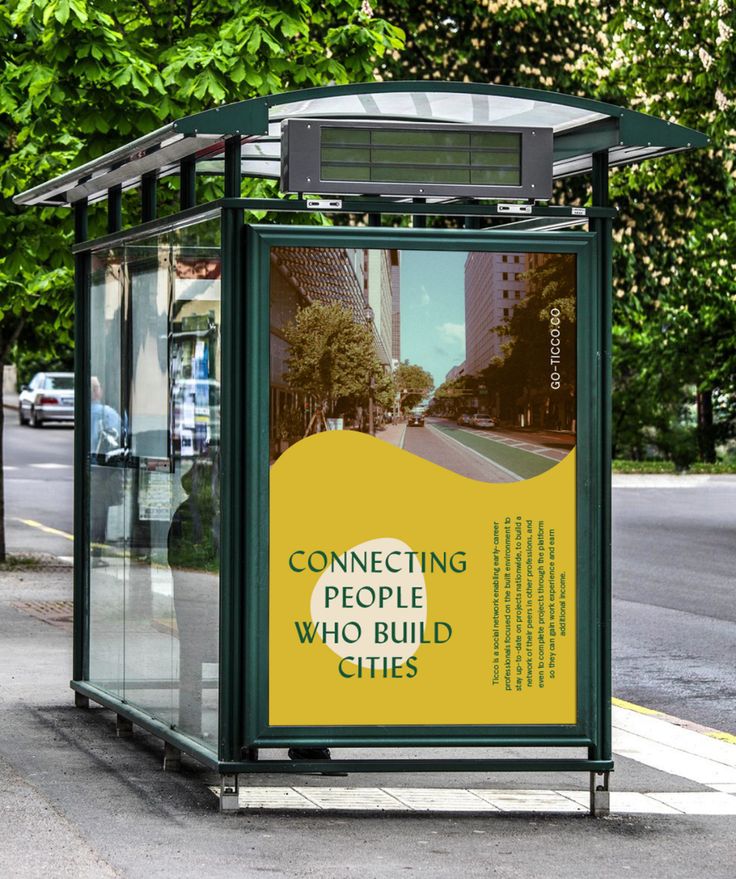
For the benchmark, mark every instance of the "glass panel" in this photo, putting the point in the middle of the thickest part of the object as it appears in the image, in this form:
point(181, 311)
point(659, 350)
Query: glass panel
point(149, 636)
point(106, 476)
point(422, 506)
point(496, 176)
point(154, 476)
point(340, 136)
point(493, 139)
point(404, 173)
point(193, 538)
point(422, 157)
point(173, 583)
point(346, 172)
point(346, 154)
point(60, 382)
point(439, 157)
point(391, 137)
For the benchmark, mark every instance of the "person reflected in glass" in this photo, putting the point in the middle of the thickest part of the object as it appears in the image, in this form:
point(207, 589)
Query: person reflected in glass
point(106, 488)
point(194, 560)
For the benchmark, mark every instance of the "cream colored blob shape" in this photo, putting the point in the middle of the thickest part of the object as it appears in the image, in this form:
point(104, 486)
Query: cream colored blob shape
point(376, 613)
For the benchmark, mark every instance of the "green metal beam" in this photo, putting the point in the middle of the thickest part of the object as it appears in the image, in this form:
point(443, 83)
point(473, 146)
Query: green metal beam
point(81, 443)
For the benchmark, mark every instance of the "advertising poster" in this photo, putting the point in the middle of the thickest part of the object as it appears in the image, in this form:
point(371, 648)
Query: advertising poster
point(422, 556)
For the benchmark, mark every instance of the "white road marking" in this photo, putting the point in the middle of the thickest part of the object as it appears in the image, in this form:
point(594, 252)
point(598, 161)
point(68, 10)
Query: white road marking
point(52, 466)
point(403, 437)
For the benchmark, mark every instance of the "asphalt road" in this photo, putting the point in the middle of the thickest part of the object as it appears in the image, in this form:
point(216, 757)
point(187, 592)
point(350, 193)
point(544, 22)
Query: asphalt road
point(674, 558)
point(674, 613)
point(39, 486)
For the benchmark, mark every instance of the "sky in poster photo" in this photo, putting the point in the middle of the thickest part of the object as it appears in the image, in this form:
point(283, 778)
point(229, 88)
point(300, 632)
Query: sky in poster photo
point(433, 310)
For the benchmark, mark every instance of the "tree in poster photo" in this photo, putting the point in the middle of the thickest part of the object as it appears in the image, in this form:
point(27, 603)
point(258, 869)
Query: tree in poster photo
point(333, 360)
point(522, 378)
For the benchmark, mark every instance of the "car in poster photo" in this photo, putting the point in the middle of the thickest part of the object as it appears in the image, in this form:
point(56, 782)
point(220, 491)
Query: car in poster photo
point(483, 422)
point(48, 397)
point(416, 418)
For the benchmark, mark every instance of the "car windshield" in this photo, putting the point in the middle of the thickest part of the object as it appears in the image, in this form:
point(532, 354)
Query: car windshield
point(59, 383)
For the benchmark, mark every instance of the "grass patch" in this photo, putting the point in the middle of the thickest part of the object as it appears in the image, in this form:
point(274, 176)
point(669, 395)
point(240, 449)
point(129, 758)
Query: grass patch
point(622, 466)
point(718, 467)
point(30, 562)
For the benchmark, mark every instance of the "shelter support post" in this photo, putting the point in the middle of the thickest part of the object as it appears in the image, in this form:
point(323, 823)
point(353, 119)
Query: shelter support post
point(600, 796)
point(172, 758)
point(235, 399)
point(187, 183)
point(123, 727)
point(81, 437)
point(148, 197)
point(114, 209)
point(229, 793)
point(232, 167)
point(603, 227)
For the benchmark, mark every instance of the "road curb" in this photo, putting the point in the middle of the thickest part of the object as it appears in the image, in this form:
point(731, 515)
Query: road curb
point(709, 731)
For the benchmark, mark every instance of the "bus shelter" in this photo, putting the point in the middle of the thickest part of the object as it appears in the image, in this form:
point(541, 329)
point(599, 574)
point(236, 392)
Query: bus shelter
point(342, 476)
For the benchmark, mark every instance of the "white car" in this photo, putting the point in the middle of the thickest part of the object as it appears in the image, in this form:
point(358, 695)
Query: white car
point(49, 397)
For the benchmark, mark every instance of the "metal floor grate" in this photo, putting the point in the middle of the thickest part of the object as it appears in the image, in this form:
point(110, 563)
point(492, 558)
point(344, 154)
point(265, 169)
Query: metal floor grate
point(55, 613)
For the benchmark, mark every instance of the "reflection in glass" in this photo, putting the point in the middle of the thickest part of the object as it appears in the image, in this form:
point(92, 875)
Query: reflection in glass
point(154, 476)
point(476, 349)
point(106, 478)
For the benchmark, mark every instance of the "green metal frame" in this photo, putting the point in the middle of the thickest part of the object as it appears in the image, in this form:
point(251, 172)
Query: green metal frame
point(252, 116)
point(591, 676)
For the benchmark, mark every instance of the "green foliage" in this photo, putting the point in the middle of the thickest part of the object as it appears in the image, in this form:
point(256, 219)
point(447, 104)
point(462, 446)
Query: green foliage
point(624, 466)
point(413, 384)
point(674, 279)
point(675, 290)
point(80, 78)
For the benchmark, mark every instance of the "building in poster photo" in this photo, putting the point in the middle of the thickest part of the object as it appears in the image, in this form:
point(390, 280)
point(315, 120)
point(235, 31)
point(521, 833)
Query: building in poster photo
point(359, 284)
point(516, 306)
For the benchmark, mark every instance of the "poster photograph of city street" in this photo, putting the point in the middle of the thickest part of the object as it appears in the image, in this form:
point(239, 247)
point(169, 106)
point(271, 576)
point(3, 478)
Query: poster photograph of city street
point(466, 359)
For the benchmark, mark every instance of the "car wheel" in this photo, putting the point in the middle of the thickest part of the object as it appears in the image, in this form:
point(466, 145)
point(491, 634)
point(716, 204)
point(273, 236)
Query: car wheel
point(21, 418)
point(35, 420)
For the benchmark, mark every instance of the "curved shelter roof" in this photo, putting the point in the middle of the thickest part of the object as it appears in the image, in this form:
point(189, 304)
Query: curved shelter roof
point(581, 127)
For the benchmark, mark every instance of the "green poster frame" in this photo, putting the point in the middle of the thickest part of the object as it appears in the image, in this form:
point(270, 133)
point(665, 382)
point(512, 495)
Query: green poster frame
point(591, 450)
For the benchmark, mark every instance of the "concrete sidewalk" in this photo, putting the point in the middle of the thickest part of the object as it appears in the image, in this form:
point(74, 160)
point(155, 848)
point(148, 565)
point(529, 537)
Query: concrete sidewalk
point(88, 804)
point(10, 401)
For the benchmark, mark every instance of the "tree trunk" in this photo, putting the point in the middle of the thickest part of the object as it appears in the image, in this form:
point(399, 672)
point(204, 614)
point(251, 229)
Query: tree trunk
point(706, 435)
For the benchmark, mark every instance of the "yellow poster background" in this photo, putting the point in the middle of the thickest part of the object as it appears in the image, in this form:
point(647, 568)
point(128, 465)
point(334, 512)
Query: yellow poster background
point(336, 490)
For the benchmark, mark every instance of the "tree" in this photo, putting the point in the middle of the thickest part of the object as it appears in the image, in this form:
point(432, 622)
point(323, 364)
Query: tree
point(675, 304)
point(79, 78)
point(412, 383)
point(332, 359)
